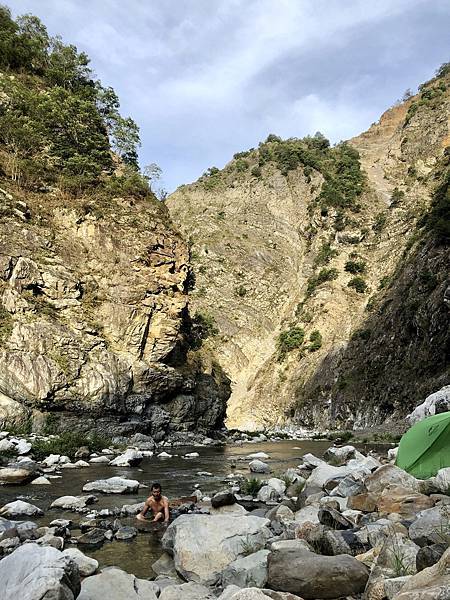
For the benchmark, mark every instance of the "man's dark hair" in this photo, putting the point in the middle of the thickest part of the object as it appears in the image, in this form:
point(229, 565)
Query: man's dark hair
point(156, 486)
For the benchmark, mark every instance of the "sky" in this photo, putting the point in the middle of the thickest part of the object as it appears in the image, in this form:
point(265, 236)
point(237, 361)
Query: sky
point(207, 78)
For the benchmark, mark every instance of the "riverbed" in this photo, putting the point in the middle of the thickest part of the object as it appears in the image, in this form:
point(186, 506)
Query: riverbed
point(178, 477)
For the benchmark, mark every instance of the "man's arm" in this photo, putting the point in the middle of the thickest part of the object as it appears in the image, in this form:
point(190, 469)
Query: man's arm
point(166, 510)
point(144, 511)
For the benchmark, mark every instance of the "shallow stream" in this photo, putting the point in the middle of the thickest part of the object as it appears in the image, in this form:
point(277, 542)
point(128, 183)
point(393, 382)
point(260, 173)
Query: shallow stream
point(177, 476)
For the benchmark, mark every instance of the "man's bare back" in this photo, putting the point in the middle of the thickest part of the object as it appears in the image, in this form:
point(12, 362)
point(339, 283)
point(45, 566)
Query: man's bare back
point(158, 504)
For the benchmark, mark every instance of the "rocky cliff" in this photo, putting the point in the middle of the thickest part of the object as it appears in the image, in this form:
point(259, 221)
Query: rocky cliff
point(316, 268)
point(94, 321)
point(93, 304)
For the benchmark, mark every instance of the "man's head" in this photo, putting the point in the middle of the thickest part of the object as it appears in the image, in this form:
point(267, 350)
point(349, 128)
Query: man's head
point(156, 490)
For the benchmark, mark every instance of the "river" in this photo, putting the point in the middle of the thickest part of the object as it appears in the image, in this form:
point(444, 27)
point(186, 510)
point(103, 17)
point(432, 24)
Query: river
point(177, 476)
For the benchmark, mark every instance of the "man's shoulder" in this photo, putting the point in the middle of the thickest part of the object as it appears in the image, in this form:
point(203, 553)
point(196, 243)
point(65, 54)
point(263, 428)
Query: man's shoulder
point(165, 499)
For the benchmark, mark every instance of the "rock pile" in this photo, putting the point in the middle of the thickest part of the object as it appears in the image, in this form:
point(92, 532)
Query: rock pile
point(357, 528)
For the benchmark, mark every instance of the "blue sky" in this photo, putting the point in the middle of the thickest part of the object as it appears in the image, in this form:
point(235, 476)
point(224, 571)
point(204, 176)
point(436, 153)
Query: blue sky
point(207, 78)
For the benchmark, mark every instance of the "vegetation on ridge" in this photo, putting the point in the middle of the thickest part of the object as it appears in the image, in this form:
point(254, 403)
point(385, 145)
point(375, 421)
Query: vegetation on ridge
point(58, 124)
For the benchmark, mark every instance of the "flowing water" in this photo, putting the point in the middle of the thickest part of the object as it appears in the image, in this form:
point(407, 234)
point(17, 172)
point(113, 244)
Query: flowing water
point(177, 476)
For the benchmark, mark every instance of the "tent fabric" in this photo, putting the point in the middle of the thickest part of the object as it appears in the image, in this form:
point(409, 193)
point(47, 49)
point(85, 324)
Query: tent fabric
point(425, 448)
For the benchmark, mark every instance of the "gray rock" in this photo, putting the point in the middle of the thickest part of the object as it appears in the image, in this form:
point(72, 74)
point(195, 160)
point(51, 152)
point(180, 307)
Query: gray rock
point(75, 503)
point(434, 404)
point(432, 526)
point(351, 485)
point(40, 481)
point(86, 565)
point(268, 494)
point(386, 475)
point(165, 566)
point(113, 485)
point(429, 556)
point(321, 475)
point(131, 458)
point(115, 584)
point(394, 585)
point(33, 572)
point(64, 523)
point(130, 510)
point(99, 460)
point(126, 533)
point(20, 509)
point(312, 461)
point(23, 447)
point(202, 545)
point(430, 584)
point(333, 518)
point(339, 455)
point(313, 576)
point(94, 538)
point(229, 592)
point(186, 591)
point(249, 571)
point(258, 466)
point(223, 499)
point(308, 514)
point(18, 473)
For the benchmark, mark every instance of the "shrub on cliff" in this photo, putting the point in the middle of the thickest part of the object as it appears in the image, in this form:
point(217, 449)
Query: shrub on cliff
point(290, 340)
point(355, 266)
point(324, 275)
point(358, 284)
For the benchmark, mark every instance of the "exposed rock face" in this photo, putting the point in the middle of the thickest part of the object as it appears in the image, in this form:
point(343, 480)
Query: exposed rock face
point(93, 312)
point(259, 234)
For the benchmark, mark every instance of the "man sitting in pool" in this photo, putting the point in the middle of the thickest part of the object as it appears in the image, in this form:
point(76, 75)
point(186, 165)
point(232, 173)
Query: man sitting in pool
point(158, 504)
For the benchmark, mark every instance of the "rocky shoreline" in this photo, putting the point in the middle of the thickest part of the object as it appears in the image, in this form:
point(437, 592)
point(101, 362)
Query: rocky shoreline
point(347, 526)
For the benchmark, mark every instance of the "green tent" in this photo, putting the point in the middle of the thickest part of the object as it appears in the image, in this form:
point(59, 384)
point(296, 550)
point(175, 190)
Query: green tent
point(425, 448)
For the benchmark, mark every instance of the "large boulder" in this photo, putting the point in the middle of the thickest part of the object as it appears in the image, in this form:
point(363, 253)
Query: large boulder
point(18, 473)
point(321, 475)
point(202, 545)
point(19, 508)
point(113, 485)
point(434, 404)
point(431, 526)
point(35, 572)
point(389, 474)
point(430, 584)
point(131, 458)
point(248, 571)
point(258, 466)
point(442, 480)
point(75, 503)
point(314, 576)
point(397, 499)
point(115, 584)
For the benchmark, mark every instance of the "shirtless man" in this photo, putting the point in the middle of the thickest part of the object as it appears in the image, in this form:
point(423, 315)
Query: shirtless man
point(158, 504)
